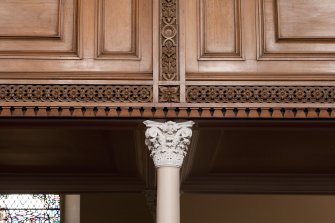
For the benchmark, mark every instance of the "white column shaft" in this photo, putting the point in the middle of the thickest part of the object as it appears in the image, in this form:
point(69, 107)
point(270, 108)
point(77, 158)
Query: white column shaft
point(168, 144)
point(168, 197)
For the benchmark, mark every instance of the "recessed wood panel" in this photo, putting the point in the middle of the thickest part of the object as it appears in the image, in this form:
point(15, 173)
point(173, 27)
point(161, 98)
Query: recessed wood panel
point(72, 52)
point(220, 29)
point(295, 37)
point(39, 29)
point(305, 19)
point(296, 29)
point(33, 18)
point(118, 29)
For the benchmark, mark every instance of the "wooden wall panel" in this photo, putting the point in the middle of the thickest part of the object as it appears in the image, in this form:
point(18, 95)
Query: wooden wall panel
point(296, 29)
point(220, 29)
point(118, 29)
point(258, 40)
point(44, 19)
point(214, 34)
point(71, 39)
point(305, 19)
point(38, 29)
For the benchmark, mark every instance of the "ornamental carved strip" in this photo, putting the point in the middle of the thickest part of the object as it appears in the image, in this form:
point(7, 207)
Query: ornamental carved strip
point(260, 94)
point(75, 93)
point(169, 40)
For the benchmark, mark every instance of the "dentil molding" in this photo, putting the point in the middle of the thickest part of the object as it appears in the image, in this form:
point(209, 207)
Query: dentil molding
point(168, 142)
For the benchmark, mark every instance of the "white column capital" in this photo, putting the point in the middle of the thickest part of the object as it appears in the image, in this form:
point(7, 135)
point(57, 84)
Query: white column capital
point(168, 142)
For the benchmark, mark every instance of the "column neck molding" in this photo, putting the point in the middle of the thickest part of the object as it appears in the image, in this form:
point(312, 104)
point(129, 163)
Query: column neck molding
point(168, 142)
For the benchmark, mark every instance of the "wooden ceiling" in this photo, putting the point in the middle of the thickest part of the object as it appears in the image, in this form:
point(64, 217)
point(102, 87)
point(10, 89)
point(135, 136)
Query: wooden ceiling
point(226, 156)
point(262, 157)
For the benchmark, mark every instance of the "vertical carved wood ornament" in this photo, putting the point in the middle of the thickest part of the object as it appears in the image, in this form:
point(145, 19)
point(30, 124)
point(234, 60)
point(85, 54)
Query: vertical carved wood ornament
point(169, 40)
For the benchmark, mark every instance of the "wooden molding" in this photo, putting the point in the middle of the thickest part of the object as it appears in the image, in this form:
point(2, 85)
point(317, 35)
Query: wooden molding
point(80, 75)
point(167, 113)
point(133, 100)
point(258, 76)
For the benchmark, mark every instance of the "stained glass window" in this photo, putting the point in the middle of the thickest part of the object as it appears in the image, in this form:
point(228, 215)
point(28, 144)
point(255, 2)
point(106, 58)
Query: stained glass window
point(29, 208)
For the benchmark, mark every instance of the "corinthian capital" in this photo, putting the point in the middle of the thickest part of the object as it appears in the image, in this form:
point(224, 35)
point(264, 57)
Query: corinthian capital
point(168, 142)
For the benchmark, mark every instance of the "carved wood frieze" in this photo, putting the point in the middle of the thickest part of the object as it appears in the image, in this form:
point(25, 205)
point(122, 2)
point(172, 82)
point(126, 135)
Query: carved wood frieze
point(169, 40)
point(260, 94)
point(75, 93)
point(129, 80)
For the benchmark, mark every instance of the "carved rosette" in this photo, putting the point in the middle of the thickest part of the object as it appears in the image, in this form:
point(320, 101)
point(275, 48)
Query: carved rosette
point(169, 94)
point(169, 40)
point(168, 142)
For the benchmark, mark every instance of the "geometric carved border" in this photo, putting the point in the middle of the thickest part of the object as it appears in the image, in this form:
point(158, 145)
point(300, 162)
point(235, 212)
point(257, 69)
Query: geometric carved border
point(260, 94)
point(75, 93)
point(283, 102)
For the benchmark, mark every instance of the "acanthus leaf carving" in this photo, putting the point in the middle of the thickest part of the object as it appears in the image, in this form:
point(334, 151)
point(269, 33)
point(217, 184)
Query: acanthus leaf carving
point(168, 142)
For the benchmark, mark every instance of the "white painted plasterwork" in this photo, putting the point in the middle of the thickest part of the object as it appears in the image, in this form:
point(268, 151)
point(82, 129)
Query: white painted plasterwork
point(168, 142)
